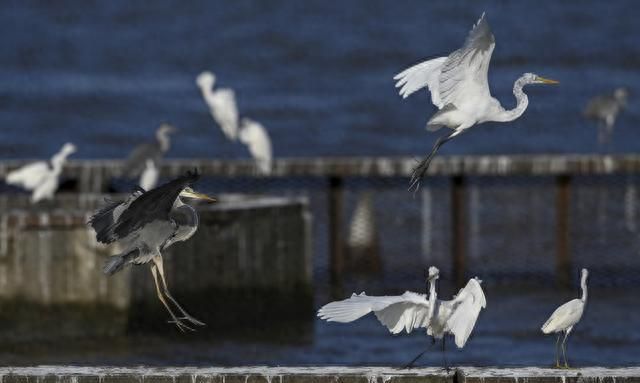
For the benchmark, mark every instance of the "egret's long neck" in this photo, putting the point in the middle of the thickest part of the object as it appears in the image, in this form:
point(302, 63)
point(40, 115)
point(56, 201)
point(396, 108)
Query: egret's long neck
point(58, 160)
point(433, 297)
point(521, 106)
point(583, 284)
point(163, 138)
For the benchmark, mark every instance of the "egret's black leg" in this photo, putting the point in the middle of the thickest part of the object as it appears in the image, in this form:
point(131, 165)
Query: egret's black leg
point(444, 354)
point(419, 171)
point(558, 351)
point(414, 360)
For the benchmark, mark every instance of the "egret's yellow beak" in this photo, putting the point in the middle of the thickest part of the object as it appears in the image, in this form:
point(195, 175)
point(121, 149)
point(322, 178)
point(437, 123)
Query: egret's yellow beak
point(543, 80)
point(195, 195)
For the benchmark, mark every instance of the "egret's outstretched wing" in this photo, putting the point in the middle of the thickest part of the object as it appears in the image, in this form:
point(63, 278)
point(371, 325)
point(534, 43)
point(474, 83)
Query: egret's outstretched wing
point(405, 312)
point(255, 136)
point(29, 176)
point(225, 111)
point(425, 74)
point(466, 308)
point(464, 74)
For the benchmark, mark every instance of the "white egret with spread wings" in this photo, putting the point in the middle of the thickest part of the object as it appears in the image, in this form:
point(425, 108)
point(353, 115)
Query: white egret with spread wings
point(411, 311)
point(460, 89)
point(145, 224)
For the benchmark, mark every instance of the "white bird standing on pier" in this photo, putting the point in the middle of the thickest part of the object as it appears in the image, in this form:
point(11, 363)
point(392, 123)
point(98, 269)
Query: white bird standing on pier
point(41, 177)
point(222, 104)
point(565, 317)
point(605, 109)
point(255, 136)
point(460, 89)
point(149, 176)
point(411, 310)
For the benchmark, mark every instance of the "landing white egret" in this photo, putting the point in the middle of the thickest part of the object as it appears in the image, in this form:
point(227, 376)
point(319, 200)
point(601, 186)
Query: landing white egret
point(152, 150)
point(411, 310)
point(145, 224)
point(42, 177)
point(256, 138)
point(221, 103)
point(460, 89)
point(605, 109)
point(565, 317)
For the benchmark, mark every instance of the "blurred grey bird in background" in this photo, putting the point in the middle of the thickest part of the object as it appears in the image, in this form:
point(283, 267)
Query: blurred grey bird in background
point(42, 177)
point(605, 109)
point(145, 224)
point(152, 150)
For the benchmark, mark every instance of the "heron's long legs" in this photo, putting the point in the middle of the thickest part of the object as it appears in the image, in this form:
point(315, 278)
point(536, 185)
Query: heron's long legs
point(181, 326)
point(419, 171)
point(558, 351)
point(159, 265)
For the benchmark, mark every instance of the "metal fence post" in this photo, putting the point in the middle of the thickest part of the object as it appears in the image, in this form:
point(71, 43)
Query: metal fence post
point(563, 252)
point(336, 256)
point(458, 228)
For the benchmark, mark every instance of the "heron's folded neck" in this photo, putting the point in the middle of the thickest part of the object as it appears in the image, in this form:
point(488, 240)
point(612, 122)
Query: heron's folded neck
point(521, 105)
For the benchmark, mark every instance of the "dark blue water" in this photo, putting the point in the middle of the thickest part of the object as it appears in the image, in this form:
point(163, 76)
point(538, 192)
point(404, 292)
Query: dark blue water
point(317, 74)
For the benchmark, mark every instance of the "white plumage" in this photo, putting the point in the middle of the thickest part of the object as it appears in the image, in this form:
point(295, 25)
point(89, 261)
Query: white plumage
point(222, 104)
point(41, 177)
point(460, 89)
point(410, 310)
point(565, 317)
point(255, 136)
point(149, 176)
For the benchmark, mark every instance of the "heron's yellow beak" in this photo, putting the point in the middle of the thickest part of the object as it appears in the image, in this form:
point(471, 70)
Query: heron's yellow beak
point(543, 80)
point(195, 195)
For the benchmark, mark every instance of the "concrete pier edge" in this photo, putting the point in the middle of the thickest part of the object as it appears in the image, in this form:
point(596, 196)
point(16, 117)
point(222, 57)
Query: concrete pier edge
point(329, 374)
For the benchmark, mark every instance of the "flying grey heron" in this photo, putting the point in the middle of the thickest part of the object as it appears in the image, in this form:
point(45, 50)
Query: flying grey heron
point(256, 138)
point(42, 177)
point(221, 103)
point(460, 89)
point(565, 318)
point(145, 224)
point(152, 150)
point(410, 311)
point(605, 109)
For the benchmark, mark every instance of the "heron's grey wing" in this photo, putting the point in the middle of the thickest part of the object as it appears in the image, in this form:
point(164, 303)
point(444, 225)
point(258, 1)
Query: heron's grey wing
point(465, 72)
point(599, 107)
point(103, 221)
point(137, 160)
point(154, 205)
point(407, 311)
point(424, 74)
point(466, 308)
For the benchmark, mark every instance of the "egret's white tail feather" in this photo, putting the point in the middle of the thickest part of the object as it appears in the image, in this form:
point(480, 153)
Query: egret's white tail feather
point(424, 74)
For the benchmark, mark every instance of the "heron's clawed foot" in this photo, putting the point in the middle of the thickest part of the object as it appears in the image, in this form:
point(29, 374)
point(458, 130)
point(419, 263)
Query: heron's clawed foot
point(181, 326)
point(192, 320)
point(416, 176)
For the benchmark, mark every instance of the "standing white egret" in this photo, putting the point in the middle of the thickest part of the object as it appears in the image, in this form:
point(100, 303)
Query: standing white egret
point(149, 176)
point(565, 317)
point(222, 104)
point(41, 177)
point(255, 136)
point(152, 150)
point(411, 310)
point(605, 109)
point(460, 89)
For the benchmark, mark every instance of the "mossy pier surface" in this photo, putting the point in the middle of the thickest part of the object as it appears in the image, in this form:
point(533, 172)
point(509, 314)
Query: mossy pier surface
point(52, 374)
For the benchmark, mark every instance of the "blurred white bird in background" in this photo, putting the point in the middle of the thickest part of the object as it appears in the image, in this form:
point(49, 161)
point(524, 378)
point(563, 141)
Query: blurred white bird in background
point(565, 317)
point(149, 176)
point(605, 109)
point(411, 310)
point(460, 89)
point(255, 136)
point(152, 150)
point(42, 177)
point(221, 103)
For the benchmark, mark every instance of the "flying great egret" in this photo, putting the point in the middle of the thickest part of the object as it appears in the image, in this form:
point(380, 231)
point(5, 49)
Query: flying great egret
point(147, 223)
point(255, 136)
point(222, 104)
point(410, 311)
point(565, 317)
point(605, 109)
point(41, 177)
point(459, 88)
point(153, 150)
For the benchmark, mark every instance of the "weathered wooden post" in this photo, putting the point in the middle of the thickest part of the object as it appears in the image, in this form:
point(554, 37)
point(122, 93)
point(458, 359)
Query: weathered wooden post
point(336, 256)
point(458, 226)
point(563, 253)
